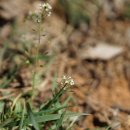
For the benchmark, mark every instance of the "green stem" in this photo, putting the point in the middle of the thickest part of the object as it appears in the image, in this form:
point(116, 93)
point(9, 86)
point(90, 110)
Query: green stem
point(36, 57)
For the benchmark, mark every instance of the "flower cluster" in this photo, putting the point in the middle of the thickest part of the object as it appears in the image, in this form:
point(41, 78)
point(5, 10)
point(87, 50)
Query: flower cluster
point(42, 10)
point(67, 80)
point(46, 7)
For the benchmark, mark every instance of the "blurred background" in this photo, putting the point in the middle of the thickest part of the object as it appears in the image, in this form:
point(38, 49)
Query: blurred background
point(88, 40)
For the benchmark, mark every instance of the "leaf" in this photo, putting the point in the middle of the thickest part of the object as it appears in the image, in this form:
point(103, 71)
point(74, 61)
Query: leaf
point(52, 110)
point(22, 119)
point(42, 57)
point(55, 98)
point(101, 51)
point(1, 106)
point(32, 118)
point(6, 123)
point(60, 121)
point(52, 117)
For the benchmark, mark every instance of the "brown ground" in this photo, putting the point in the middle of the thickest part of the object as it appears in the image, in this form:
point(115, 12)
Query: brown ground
point(102, 86)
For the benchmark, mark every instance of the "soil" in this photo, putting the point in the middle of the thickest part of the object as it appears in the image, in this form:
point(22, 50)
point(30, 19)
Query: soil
point(102, 87)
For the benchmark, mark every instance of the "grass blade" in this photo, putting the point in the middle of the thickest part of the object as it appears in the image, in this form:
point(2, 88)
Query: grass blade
point(60, 121)
point(32, 117)
point(22, 118)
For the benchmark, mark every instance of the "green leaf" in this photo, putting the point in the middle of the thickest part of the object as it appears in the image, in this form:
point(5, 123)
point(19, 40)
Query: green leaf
point(32, 118)
point(6, 123)
point(52, 117)
point(22, 119)
point(60, 121)
point(56, 98)
point(1, 106)
point(42, 57)
point(52, 110)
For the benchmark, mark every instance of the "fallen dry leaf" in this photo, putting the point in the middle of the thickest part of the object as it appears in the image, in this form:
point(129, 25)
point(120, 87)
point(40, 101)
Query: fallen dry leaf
point(101, 51)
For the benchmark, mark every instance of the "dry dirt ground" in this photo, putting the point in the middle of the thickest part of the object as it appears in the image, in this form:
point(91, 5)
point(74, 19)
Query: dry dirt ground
point(102, 85)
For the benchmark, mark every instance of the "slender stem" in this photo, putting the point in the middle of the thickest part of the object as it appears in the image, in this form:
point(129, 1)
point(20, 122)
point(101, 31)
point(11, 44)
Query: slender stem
point(36, 57)
point(39, 33)
point(38, 44)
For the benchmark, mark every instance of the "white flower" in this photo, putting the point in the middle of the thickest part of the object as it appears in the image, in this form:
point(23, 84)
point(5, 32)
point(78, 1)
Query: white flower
point(49, 14)
point(64, 77)
point(46, 6)
point(40, 6)
point(71, 82)
point(41, 11)
point(68, 80)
